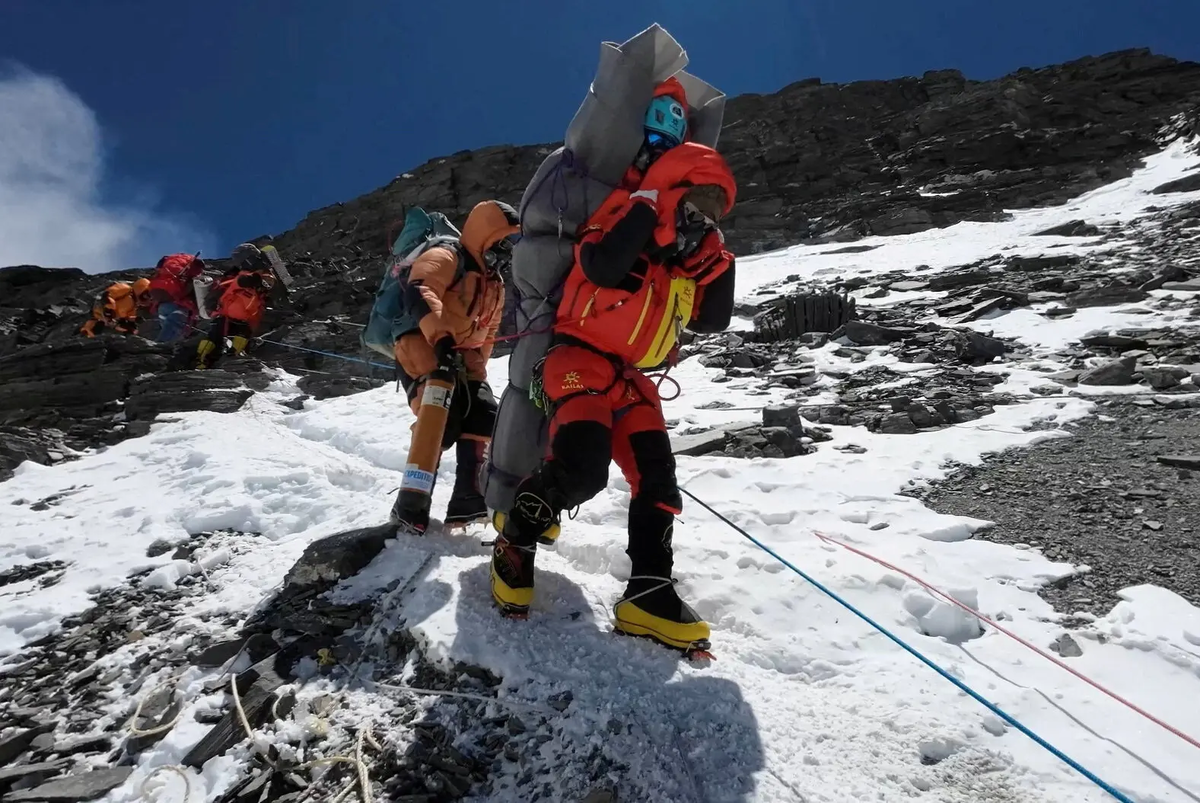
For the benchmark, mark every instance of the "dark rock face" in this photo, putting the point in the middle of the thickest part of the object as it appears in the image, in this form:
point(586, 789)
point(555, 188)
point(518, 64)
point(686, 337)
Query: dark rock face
point(844, 160)
point(185, 391)
point(782, 433)
point(1113, 372)
point(72, 788)
point(1073, 228)
point(1185, 184)
point(298, 605)
point(792, 316)
point(60, 397)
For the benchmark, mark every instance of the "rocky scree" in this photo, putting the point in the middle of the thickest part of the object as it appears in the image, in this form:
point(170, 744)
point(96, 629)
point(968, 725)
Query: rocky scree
point(302, 664)
point(1120, 496)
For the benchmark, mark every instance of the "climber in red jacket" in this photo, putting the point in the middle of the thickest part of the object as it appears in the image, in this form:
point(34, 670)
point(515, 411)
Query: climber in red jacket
point(243, 292)
point(174, 300)
point(650, 263)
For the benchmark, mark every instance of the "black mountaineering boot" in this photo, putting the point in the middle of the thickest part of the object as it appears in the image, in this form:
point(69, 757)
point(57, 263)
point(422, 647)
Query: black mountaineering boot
point(650, 605)
point(466, 502)
point(409, 518)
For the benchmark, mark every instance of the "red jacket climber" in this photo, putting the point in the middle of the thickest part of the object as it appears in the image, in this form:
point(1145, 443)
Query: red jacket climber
point(243, 293)
point(174, 301)
point(650, 263)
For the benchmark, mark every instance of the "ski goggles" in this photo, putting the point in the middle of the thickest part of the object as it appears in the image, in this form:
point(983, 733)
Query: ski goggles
point(659, 141)
point(501, 251)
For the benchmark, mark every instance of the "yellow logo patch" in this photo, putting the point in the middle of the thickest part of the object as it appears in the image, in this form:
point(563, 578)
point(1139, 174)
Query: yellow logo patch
point(571, 381)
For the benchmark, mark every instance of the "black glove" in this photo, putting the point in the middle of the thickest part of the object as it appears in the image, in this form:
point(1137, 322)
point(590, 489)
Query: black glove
point(444, 351)
point(252, 281)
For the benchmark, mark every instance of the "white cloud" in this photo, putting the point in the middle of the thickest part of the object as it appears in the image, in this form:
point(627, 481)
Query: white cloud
point(52, 211)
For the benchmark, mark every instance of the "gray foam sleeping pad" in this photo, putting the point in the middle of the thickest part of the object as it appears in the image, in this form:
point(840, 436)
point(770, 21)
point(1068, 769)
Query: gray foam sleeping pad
point(600, 144)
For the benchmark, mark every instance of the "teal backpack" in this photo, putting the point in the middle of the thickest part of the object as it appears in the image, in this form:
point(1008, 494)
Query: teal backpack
point(390, 318)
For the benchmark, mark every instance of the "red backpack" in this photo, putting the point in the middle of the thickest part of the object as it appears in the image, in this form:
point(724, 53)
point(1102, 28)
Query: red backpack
point(172, 279)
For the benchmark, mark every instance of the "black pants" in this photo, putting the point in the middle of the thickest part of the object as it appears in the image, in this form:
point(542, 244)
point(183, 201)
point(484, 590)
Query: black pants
point(225, 328)
point(472, 409)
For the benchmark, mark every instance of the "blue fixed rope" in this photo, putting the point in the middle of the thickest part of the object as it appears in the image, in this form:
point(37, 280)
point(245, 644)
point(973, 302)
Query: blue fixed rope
point(963, 687)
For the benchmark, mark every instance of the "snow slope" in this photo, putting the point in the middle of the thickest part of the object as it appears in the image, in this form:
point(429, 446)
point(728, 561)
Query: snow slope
point(805, 702)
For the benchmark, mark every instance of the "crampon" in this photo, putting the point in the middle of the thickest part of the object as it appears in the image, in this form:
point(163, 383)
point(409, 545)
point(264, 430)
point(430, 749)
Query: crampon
point(462, 525)
point(698, 652)
point(409, 528)
point(513, 612)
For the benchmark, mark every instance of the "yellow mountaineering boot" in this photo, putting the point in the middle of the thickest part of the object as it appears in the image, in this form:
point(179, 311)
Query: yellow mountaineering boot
point(203, 350)
point(548, 537)
point(514, 550)
point(512, 576)
point(239, 344)
point(650, 605)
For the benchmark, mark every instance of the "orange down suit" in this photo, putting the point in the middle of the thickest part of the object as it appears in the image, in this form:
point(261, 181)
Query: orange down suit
point(464, 302)
point(117, 307)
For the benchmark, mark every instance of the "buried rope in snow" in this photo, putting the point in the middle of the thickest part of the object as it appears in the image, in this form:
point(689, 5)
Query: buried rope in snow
point(1023, 642)
point(963, 687)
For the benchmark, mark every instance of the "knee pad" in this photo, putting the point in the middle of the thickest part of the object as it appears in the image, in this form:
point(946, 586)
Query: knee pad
point(479, 417)
point(578, 470)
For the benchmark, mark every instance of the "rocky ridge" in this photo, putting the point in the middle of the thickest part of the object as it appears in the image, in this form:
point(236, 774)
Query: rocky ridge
point(845, 160)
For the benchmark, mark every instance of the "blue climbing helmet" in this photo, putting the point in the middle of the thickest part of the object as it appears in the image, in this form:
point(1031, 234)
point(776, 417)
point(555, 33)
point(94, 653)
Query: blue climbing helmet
point(666, 117)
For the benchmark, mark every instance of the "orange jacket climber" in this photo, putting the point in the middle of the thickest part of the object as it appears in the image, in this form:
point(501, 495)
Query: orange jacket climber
point(119, 307)
point(461, 300)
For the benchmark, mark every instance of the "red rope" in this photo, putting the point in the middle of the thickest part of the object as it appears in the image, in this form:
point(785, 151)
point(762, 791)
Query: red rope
point(933, 590)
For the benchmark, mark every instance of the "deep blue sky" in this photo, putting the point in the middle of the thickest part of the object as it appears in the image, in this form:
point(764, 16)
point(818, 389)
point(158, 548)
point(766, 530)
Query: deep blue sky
point(250, 113)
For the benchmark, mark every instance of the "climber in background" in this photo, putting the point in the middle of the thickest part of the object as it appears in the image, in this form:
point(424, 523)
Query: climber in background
point(453, 299)
point(241, 293)
point(120, 308)
point(650, 262)
point(172, 295)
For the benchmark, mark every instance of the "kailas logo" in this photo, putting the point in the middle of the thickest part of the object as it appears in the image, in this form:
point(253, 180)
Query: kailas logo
point(571, 381)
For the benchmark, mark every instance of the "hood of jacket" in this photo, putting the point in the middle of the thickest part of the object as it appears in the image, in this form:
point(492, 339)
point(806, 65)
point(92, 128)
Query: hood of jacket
point(488, 223)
